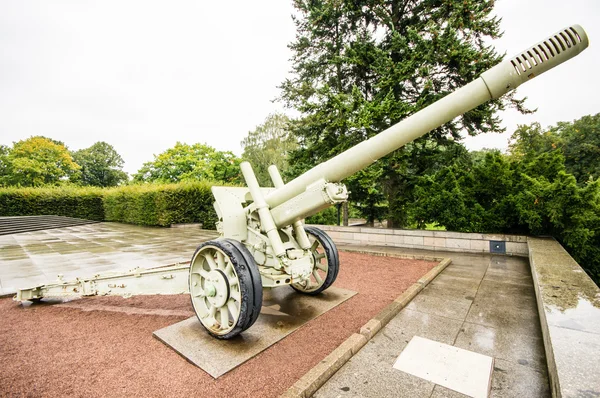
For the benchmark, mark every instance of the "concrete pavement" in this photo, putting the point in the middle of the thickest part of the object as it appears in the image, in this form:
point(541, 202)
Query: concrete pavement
point(33, 258)
point(481, 303)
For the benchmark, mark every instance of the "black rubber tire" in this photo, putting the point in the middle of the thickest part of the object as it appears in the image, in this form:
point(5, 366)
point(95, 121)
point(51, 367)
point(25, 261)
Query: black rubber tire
point(249, 282)
point(256, 281)
point(333, 260)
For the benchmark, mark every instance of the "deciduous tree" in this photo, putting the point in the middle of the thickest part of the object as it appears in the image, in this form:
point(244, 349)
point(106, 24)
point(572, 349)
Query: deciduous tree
point(101, 165)
point(269, 143)
point(191, 162)
point(577, 141)
point(39, 161)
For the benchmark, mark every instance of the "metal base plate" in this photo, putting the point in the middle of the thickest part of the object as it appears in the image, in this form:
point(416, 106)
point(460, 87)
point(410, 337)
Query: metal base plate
point(284, 310)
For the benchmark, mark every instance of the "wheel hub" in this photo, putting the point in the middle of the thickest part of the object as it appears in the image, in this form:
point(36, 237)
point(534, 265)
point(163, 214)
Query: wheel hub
point(210, 290)
point(216, 288)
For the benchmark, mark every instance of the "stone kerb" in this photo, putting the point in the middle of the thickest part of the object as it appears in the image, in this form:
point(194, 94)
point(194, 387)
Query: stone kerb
point(427, 240)
point(569, 307)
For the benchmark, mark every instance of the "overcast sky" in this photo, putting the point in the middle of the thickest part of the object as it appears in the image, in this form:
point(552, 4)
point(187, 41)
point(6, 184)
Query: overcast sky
point(142, 75)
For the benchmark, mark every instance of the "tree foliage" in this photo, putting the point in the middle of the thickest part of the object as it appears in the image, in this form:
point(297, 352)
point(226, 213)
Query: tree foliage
point(362, 66)
point(101, 165)
point(37, 161)
point(533, 195)
point(577, 141)
point(268, 144)
point(4, 164)
point(186, 162)
point(581, 146)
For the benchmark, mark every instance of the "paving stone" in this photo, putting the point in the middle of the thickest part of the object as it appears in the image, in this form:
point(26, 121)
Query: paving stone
point(443, 392)
point(514, 380)
point(448, 291)
point(517, 264)
point(508, 276)
point(439, 306)
point(503, 344)
point(454, 282)
point(409, 323)
point(466, 271)
point(522, 304)
point(494, 313)
point(494, 288)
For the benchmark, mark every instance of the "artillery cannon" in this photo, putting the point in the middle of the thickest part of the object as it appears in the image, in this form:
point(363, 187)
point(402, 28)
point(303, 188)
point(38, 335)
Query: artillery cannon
point(263, 242)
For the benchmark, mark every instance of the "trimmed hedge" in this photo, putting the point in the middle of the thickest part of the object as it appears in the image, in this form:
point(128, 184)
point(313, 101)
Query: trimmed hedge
point(67, 201)
point(163, 205)
point(148, 204)
point(145, 204)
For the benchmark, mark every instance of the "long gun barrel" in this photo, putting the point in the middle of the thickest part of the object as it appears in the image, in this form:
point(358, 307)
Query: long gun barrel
point(492, 84)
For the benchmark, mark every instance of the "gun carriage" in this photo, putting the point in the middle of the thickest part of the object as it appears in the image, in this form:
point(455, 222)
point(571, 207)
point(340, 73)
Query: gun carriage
point(263, 241)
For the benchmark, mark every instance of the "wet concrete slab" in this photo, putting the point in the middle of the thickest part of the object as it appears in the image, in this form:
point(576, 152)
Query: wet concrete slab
point(511, 379)
point(284, 310)
point(503, 344)
point(438, 306)
point(33, 258)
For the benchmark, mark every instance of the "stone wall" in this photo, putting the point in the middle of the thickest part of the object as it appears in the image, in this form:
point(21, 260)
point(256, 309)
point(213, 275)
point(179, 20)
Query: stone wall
point(427, 240)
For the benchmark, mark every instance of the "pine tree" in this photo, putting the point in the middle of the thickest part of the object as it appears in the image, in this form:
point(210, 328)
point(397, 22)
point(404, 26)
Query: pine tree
point(361, 66)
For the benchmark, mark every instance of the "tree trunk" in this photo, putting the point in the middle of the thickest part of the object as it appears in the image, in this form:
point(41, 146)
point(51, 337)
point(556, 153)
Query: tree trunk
point(345, 213)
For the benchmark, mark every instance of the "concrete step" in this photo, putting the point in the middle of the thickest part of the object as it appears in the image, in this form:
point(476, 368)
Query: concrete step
point(20, 224)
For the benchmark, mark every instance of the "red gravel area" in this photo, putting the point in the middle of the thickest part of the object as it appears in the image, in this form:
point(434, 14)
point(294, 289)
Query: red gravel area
point(58, 350)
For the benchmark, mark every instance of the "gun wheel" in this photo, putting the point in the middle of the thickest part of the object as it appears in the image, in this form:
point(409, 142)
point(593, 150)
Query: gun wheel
point(327, 263)
point(225, 288)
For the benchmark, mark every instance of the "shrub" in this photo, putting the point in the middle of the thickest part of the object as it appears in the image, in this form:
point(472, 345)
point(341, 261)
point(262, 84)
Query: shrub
point(324, 217)
point(161, 204)
point(67, 201)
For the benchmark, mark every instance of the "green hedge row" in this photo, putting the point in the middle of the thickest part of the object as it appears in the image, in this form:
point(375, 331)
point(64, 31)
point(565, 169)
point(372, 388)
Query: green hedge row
point(149, 204)
point(163, 205)
point(67, 201)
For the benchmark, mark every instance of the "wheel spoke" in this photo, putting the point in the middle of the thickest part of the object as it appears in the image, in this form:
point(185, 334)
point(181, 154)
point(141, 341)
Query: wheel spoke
point(321, 266)
point(228, 269)
point(319, 256)
point(233, 309)
point(236, 296)
point(224, 318)
point(200, 293)
point(211, 261)
point(220, 261)
point(314, 245)
point(317, 277)
point(212, 312)
point(202, 273)
point(233, 281)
